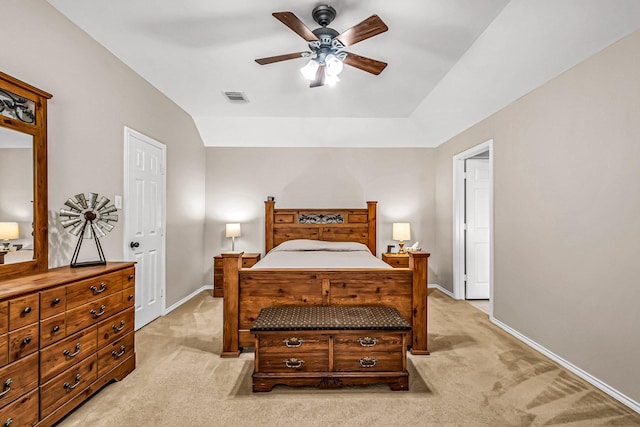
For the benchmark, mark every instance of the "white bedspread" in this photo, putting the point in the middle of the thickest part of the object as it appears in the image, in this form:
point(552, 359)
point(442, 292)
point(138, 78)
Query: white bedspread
point(318, 254)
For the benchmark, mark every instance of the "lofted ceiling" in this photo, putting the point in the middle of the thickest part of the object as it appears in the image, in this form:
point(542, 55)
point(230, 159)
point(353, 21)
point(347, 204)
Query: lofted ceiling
point(451, 63)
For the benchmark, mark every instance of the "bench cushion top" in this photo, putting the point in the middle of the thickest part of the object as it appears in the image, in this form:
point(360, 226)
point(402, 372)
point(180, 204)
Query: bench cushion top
point(297, 318)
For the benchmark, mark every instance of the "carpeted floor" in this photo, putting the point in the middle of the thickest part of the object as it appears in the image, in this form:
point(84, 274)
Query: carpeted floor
point(476, 375)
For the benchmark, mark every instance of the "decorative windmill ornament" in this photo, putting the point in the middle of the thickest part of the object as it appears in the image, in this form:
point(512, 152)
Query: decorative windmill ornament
point(88, 217)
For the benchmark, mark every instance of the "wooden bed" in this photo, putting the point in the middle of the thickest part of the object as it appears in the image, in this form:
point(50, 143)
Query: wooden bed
point(247, 290)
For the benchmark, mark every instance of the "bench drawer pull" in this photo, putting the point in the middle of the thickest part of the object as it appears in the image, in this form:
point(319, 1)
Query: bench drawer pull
point(368, 341)
point(368, 362)
point(293, 342)
point(293, 363)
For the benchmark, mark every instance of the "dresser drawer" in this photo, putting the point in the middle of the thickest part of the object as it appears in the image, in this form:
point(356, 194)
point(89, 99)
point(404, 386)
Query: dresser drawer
point(18, 378)
point(52, 302)
point(292, 342)
point(93, 289)
point(89, 314)
point(23, 341)
point(52, 329)
point(362, 360)
point(317, 361)
point(23, 311)
point(114, 327)
point(112, 355)
point(128, 298)
point(22, 412)
point(60, 356)
point(67, 385)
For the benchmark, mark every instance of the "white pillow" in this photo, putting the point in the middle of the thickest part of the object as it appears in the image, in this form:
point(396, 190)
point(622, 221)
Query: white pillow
point(320, 245)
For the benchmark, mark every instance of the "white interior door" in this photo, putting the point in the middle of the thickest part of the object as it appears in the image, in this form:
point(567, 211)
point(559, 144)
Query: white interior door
point(478, 228)
point(144, 208)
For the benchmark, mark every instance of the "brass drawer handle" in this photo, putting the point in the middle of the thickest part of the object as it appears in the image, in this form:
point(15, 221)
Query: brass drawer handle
point(368, 341)
point(97, 314)
point(97, 291)
point(368, 362)
point(68, 386)
point(293, 342)
point(7, 387)
point(26, 341)
point(26, 310)
point(293, 363)
point(68, 353)
point(118, 355)
point(118, 329)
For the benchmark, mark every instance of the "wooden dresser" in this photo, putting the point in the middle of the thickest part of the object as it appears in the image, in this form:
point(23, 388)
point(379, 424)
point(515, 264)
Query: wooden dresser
point(248, 260)
point(330, 347)
point(64, 334)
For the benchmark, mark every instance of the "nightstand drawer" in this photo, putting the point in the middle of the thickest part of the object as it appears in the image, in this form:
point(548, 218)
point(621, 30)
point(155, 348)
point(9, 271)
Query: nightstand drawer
point(396, 260)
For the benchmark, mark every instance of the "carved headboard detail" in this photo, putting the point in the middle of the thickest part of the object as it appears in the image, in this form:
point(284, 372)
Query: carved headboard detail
point(335, 225)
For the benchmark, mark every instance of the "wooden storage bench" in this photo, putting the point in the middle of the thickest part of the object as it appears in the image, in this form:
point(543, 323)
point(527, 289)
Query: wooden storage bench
point(330, 347)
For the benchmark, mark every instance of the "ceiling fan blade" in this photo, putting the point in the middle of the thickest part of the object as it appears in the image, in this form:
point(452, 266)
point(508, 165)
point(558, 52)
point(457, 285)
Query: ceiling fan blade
point(365, 64)
point(319, 80)
point(372, 26)
point(292, 21)
point(278, 58)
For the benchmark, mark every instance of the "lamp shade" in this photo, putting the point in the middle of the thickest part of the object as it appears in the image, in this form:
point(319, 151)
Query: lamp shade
point(401, 231)
point(9, 230)
point(233, 230)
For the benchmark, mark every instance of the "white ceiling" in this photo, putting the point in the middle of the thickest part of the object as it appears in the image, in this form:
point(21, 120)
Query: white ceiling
point(451, 62)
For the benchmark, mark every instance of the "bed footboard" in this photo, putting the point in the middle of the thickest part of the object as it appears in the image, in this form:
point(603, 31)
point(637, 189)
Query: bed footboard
point(247, 291)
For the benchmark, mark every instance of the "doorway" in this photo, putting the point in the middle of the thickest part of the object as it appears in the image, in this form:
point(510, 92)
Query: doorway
point(144, 202)
point(473, 224)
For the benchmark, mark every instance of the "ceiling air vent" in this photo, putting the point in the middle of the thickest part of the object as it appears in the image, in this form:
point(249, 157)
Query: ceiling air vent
point(236, 97)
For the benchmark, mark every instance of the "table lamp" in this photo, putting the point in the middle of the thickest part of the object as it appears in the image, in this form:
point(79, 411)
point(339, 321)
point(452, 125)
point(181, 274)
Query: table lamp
point(401, 232)
point(8, 231)
point(233, 231)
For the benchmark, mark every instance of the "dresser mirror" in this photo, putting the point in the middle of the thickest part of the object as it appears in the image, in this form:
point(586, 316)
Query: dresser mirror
point(23, 178)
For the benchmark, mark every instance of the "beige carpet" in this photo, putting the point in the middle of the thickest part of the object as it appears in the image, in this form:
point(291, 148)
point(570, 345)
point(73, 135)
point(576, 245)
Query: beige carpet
point(477, 375)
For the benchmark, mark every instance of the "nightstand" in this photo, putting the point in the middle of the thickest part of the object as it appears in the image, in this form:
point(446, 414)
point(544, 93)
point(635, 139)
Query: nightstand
point(396, 260)
point(248, 260)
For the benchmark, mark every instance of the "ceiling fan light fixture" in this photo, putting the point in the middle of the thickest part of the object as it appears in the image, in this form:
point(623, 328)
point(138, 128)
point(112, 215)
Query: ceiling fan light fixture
point(310, 69)
point(331, 80)
point(333, 65)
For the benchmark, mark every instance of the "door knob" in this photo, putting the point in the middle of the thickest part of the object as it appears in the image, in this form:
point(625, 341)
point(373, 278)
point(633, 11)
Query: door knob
point(134, 245)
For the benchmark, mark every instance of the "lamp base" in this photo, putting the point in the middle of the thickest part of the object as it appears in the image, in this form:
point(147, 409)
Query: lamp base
point(401, 250)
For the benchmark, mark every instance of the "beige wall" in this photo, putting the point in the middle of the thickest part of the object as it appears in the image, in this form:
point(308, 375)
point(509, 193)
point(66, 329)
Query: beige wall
point(567, 209)
point(94, 97)
point(240, 179)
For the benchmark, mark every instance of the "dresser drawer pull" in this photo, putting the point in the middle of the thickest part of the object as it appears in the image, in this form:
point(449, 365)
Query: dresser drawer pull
point(131, 277)
point(26, 310)
point(293, 363)
point(118, 355)
point(55, 328)
point(130, 297)
point(96, 314)
point(26, 341)
point(68, 386)
point(56, 301)
point(368, 341)
point(293, 342)
point(121, 327)
point(7, 387)
point(8, 422)
point(68, 353)
point(368, 362)
point(97, 291)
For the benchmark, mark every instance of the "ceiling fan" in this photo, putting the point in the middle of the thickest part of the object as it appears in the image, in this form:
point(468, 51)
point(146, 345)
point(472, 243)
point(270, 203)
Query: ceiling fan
point(327, 55)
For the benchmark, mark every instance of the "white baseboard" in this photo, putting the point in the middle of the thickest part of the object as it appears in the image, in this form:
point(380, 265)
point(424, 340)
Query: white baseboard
point(570, 366)
point(187, 298)
point(441, 289)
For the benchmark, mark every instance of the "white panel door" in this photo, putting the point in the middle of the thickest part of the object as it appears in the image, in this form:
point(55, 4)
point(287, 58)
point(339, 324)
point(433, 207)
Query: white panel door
point(478, 226)
point(145, 222)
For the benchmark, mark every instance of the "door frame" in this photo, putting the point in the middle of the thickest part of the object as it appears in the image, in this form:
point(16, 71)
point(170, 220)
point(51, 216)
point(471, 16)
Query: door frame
point(458, 219)
point(128, 132)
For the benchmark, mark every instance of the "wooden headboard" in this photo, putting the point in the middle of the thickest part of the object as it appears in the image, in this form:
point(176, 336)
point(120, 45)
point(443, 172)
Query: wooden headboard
point(334, 225)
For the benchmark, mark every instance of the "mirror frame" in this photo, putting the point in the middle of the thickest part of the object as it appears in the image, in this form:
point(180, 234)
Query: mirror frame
point(38, 131)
